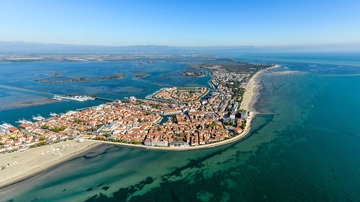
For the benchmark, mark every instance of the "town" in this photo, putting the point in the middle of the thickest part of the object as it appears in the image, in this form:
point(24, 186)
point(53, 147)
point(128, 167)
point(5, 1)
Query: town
point(179, 94)
point(180, 119)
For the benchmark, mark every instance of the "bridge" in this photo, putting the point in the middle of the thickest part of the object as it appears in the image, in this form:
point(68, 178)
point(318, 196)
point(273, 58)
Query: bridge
point(104, 98)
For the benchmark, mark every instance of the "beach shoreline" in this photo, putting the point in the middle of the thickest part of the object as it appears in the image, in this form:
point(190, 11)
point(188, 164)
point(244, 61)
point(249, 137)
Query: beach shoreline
point(22, 165)
point(250, 96)
point(29, 163)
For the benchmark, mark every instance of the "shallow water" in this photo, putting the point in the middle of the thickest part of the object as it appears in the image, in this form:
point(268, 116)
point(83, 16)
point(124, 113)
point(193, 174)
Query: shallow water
point(304, 147)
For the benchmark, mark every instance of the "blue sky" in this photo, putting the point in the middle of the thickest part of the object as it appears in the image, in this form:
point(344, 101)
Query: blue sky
point(181, 23)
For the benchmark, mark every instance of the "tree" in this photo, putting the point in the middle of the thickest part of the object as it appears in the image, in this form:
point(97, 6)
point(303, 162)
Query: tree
point(211, 125)
point(243, 125)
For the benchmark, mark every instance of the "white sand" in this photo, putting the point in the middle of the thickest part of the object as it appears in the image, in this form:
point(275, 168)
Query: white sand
point(23, 164)
point(251, 91)
point(249, 99)
point(29, 162)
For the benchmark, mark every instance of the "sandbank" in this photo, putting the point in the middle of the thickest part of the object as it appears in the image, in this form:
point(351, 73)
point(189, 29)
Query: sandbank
point(20, 165)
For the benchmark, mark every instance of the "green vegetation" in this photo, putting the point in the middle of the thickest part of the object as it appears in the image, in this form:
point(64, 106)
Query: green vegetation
point(45, 127)
point(211, 125)
point(233, 66)
point(78, 121)
point(243, 125)
point(228, 123)
point(147, 113)
point(41, 144)
point(58, 129)
point(134, 142)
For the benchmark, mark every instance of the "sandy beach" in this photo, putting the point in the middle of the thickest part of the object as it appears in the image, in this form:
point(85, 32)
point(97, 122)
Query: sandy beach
point(19, 165)
point(251, 93)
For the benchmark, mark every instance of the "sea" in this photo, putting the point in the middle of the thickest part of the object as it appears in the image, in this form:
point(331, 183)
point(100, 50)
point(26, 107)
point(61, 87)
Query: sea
point(304, 143)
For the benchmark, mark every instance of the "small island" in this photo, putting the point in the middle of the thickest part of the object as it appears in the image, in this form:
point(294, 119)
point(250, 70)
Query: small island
point(140, 75)
point(57, 78)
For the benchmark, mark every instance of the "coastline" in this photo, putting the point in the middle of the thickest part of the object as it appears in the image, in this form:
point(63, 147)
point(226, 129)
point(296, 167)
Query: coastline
point(252, 91)
point(250, 96)
point(30, 162)
point(33, 161)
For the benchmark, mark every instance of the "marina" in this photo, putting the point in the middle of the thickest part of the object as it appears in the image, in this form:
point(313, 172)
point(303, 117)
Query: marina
point(38, 118)
point(23, 121)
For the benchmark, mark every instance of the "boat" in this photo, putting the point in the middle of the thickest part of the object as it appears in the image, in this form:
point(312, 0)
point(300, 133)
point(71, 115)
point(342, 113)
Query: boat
point(38, 118)
point(23, 121)
point(53, 114)
point(56, 97)
point(6, 126)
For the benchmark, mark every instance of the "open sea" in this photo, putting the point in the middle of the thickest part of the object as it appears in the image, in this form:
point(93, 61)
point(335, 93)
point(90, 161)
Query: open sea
point(303, 146)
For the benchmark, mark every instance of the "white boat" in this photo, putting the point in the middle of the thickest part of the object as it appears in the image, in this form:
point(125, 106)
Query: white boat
point(38, 118)
point(53, 114)
point(5, 126)
point(23, 121)
point(56, 97)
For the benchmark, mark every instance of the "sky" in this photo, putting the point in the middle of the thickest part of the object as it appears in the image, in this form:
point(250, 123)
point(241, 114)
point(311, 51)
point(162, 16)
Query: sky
point(183, 23)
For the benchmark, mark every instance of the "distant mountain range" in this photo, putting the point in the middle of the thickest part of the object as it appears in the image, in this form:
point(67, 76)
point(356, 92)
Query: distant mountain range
point(27, 47)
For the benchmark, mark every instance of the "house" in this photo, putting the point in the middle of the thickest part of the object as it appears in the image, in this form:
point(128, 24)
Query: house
point(237, 129)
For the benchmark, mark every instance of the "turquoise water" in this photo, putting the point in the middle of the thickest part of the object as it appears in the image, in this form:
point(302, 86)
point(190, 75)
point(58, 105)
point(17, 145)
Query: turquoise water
point(22, 75)
point(303, 147)
point(334, 58)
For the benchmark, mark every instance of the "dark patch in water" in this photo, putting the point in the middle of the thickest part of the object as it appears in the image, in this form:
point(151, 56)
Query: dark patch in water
point(64, 190)
point(100, 185)
point(37, 199)
point(105, 188)
point(174, 196)
point(271, 118)
point(93, 197)
point(123, 193)
point(89, 189)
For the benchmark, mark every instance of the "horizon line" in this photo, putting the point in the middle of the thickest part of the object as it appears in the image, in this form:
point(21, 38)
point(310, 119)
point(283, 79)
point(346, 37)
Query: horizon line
point(201, 46)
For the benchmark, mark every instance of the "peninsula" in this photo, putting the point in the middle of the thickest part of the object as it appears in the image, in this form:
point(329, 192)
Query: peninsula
point(224, 115)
